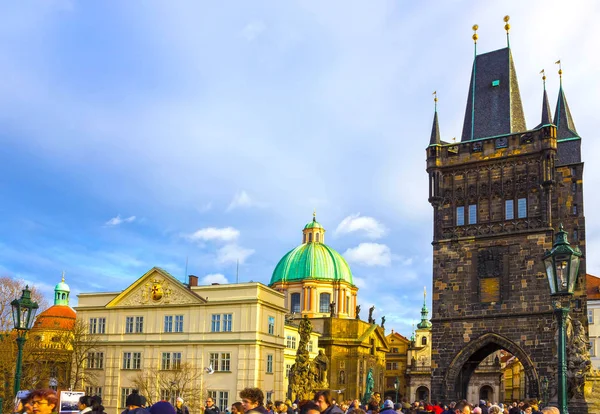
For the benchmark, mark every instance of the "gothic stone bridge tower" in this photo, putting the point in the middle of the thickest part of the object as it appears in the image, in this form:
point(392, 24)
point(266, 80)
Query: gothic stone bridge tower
point(497, 197)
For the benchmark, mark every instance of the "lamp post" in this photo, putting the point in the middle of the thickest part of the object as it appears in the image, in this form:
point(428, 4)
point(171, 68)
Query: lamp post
point(23, 310)
point(562, 268)
point(396, 385)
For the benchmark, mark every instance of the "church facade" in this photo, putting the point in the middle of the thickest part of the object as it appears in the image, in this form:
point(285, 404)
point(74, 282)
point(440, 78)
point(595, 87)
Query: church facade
point(316, 282)
point(498, 196)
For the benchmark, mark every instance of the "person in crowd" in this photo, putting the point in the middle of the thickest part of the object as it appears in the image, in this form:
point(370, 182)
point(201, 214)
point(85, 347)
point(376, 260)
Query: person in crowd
point(462, 407)
point(295, 408)
point(477, 410)
point(236, 408)
point(135, 404)
point(388, 407)
point(495, 409)
point(44, 401)
point(450, 409)
point(253, 400)
point(23, 405)
point(210, 407)
point(180, 407)
point(324, 401)
point(310, 407)
point(162, 407)
point(97, 407)
point(377, 398)
point(550, 410)
point(84, 404)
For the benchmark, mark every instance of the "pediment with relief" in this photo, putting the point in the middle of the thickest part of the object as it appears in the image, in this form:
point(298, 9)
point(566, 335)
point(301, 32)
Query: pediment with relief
point(156, 287)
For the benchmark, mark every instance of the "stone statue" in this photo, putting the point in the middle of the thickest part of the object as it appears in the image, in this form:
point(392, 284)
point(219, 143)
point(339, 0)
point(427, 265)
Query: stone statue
point(578, 358)
point(369, 387)
point(383, 322)
point(301, 378)
point(332, 309)
point(321, 363)
point(371, 309)
point(357, 311)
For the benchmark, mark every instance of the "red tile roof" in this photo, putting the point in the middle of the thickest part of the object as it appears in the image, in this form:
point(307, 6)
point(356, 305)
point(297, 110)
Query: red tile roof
point(56, 317)
point(593, 287)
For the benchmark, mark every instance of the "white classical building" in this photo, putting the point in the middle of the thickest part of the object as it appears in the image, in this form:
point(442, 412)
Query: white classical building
point(593, 309)
point(221, 338)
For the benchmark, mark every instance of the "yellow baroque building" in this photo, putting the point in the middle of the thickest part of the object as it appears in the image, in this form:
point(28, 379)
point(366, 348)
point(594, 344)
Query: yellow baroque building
point(222, 338)
point(316, 282)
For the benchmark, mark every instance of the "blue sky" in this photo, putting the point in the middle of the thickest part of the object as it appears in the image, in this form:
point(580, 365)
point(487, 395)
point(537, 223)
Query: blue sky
point(136, 134)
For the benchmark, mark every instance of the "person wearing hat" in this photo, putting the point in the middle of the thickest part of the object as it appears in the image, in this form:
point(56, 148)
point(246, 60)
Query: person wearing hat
point(134, 403)
point(162, 407)
point(181, 409)
point(388, 407)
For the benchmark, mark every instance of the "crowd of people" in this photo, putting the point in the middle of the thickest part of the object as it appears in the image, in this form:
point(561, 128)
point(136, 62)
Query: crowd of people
point(45, 401)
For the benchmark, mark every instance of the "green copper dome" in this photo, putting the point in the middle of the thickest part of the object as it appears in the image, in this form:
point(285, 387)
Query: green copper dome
point(312, 261)
point(313, 225)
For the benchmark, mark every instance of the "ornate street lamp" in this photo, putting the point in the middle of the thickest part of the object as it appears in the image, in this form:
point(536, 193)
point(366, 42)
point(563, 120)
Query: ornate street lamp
point(562, 269)
point(396, 385)
point(24, 310)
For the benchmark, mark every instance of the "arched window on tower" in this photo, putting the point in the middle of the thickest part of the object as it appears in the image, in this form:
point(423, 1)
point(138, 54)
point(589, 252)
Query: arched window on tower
point(424, 341)
point(324, 301)
point(317, 236)
point(304, 238)
point(295, 302)
point(310, 237)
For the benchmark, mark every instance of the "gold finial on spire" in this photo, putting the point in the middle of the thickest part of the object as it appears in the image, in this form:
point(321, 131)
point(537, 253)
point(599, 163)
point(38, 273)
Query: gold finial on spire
point(435, 99)
point(63, 276)
point(506, 26)
point(559, 67)
point(424, 293)
point(475, 36)
point(543, 73)
point(314, 214)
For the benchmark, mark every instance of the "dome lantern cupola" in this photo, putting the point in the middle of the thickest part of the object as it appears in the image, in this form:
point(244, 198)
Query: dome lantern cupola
point(313, 232)
point(61, 292)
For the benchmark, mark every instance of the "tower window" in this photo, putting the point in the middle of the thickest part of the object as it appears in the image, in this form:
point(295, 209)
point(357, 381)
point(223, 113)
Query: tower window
point(295, 299)
point(310, 237)
point(424, 341)
point(574, 208)
point(522, 207)
point(324, 301)
point(460, 216)
point(575, 235)
point(304, 238)
point(509, 209)
point(317, 237)
point(473, 214)
point(574, 187)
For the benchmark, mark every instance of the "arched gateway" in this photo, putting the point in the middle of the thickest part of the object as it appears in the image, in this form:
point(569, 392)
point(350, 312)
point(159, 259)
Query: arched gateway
point(458, 374)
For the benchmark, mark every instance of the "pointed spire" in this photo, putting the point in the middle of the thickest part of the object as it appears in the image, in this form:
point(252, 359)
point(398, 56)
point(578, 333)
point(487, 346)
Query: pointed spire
point(424, 312)
point(63, 276)
point(435, 129)
point(507, 28)
point(546, 113)
point(565, 127)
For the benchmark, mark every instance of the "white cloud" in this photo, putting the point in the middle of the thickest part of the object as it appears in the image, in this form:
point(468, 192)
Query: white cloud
point(225, 234)
point(355, 222)
point(253, 30)
point(369, 254)
point(214, 278)
point(231, 253)
point(242, 200)
point(115, 221)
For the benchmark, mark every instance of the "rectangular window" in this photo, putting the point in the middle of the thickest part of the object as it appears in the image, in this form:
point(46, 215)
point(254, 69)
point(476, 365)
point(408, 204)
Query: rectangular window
point(93, 391)
point(288, 368)
point(215, 325)
point(291, 342)
point(324, 301)
point(178, 323)
point(126, 360)
point(168, 323)
point(472, 213)
point(269, 396)
point(95, 360)
point(214, 360)
point(139, 324)
point(522, 207)
point(590, 316)
point(460, 216)
point(295, 299)
point(167, 395)
point(310, 346)
point(574, 209)
point(574, 187)
point(227, 318)
point(93, 325)
point(129, 324)
point(124, 393)
point(221, 398)
point(271, 325)
point(270, 364)
point(136, 363)
point(592, 347)
point(176, 360)
point(225, 361)
point(166, 360)
point(509, 209)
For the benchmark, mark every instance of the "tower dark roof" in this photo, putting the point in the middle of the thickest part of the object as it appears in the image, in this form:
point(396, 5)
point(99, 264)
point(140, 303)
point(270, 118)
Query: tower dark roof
point(546, 114)
point(565, 127)
point(494, 103)
point(435, 131)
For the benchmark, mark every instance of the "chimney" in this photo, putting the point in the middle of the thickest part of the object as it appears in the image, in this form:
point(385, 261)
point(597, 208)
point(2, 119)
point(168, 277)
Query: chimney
point(192, 280)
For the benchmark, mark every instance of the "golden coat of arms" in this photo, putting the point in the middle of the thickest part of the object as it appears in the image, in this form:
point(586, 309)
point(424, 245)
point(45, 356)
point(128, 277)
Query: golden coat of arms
point(156, 291)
